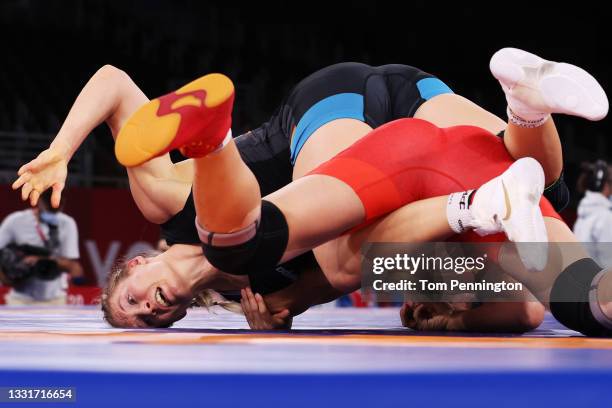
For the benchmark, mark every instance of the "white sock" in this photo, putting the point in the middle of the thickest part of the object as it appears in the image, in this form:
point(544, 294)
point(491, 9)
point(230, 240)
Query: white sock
point(458, 212)
point(526, 119)
point(226, 140)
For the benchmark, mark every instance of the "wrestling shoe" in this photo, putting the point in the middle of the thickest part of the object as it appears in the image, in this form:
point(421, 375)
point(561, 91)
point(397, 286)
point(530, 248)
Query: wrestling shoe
point(510, 203)
point(536, 87)
point(196, 119)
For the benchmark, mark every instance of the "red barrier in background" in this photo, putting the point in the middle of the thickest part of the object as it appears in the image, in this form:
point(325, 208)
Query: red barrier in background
point(110, 225)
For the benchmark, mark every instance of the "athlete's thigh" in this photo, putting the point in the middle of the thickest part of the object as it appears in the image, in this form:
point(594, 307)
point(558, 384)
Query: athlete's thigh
point(448, 110)
point(327, 141)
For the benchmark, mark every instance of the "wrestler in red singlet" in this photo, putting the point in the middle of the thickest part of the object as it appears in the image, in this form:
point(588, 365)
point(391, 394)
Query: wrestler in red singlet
point(409, 160)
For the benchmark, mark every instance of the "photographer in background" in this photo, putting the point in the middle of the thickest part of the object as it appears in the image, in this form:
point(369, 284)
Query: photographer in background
point(594, 223)
point(38, 249)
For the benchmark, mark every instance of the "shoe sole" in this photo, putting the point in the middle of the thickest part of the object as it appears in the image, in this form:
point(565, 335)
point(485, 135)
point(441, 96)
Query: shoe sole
point(565, 88)
point(523, 223)
point(162, 124)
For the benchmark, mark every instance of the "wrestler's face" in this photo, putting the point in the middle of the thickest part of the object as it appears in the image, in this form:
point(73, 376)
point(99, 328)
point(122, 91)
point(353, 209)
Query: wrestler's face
point(151, 295)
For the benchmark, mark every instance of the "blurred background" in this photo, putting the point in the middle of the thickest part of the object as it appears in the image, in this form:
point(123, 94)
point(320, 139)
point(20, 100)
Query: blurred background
point(49, 49)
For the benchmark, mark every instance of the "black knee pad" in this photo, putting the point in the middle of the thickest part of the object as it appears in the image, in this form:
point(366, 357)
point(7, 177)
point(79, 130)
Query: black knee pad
point(558, 194)
point(262, 252)
point(569, 298)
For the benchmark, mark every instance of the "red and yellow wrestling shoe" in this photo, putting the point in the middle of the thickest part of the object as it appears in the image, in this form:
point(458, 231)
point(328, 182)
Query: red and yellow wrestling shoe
point(195, 118)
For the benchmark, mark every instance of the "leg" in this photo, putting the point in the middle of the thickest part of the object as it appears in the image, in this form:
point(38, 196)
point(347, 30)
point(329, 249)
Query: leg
point(534, 88)
point(421, 221)
point(542, 143)
point(375, 176)
point(322, 145)
point(225, 172)
point(326, 142)
point(226, 193)
point(390, 167)
point(425, 220)
point(196, 118)
point(443, 110)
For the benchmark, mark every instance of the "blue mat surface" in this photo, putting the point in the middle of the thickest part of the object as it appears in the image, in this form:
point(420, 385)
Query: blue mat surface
point(334, 357)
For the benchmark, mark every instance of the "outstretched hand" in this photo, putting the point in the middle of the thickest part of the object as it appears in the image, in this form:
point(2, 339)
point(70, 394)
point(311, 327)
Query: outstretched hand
point(48, 170)
point(258, 316)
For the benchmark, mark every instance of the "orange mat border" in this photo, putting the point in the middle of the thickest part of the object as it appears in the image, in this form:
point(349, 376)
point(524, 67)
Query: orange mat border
point(381, 340)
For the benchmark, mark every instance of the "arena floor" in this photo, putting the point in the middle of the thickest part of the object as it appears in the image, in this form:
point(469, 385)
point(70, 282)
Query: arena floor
point(333, 357)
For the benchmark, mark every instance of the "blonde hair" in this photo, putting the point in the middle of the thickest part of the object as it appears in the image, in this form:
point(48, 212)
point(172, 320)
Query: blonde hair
point(206, 298)
point(210, 297)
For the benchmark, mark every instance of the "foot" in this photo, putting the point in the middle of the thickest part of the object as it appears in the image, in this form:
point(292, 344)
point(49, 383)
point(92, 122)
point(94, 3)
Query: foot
point(195, 118)
point(536, 87)
point(510, 203)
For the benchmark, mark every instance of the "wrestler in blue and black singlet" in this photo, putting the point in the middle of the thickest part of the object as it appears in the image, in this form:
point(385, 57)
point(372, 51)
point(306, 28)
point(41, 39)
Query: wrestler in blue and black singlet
point(374, 95)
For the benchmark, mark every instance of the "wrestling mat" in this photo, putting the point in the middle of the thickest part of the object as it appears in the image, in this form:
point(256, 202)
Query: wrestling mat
point(333, 357)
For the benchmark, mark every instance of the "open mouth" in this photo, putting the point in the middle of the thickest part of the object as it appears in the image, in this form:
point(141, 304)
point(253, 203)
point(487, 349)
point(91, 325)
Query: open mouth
point(161, 298)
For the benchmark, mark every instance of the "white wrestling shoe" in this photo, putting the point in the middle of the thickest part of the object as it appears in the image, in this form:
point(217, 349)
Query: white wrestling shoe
point(510, 203)
point(536, 87)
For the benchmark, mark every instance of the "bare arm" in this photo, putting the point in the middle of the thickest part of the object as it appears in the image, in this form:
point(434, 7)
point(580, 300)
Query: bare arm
point(311, 288)
point(276, 311)
point(110, 96)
